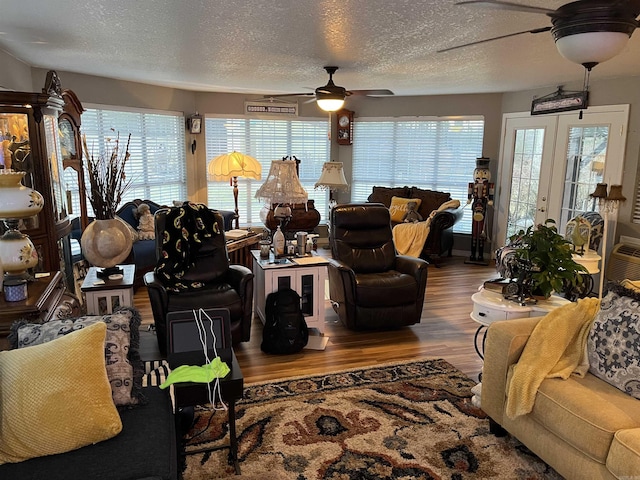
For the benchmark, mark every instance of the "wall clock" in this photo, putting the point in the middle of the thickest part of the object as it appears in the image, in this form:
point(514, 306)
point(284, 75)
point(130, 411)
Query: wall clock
point(194, 124)
point(345, 127)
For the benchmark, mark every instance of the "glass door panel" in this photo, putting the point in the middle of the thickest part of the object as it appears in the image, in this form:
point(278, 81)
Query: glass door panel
point(524, 174)
point(586, 158)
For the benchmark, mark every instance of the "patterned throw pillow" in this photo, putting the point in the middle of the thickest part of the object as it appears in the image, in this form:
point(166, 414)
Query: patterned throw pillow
point(124, 367)
point(398, 207)
point(613, 345)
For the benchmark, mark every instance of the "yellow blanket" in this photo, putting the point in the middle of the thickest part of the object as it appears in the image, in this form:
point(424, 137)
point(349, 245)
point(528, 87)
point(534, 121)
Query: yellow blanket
point(556, 349)
point(409, 238)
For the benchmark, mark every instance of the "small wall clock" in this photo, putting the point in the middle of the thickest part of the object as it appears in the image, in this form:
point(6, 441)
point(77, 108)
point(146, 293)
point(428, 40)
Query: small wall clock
point(345, 127)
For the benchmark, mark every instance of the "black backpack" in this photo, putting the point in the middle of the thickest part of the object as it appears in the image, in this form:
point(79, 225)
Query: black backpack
point(285, 330)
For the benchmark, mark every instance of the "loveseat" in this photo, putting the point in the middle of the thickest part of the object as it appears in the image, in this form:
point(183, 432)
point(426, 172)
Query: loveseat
point(440, 239)
point(143, 252)
point(582, 427)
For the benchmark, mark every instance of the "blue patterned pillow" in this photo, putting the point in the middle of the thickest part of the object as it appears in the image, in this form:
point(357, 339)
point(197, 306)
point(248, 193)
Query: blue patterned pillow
point(613, 345)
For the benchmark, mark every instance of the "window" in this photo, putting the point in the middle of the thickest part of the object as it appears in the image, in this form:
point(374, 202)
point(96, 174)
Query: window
point(437, 154)
point(266, 140)
point(157, 166)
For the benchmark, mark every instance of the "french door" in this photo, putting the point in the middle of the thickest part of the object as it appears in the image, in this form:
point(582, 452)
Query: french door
point(551, 163)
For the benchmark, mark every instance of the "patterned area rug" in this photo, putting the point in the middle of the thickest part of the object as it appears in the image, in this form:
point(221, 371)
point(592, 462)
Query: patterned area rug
point(403, 421)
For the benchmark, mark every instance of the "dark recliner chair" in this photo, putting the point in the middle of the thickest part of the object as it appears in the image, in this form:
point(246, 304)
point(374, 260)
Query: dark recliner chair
point(370, 286)
point(225, 285)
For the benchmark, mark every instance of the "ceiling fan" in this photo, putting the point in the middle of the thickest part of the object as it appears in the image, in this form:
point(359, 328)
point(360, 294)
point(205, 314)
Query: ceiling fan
point(330, 97)
point(587, 32)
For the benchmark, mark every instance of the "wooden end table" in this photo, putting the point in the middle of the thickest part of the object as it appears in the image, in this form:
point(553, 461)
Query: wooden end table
point(43, 296)
point(103, 296)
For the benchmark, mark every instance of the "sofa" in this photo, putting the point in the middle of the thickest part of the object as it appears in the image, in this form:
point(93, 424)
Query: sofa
point(440, 239)
point(583, 427)
point(75, 403)
point(143, 253)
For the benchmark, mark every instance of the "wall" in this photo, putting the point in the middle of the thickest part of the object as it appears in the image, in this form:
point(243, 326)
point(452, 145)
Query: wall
point(14, 74)
point(615, 91)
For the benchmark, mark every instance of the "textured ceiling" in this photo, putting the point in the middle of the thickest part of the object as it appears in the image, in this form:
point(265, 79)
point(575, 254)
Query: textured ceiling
point(280, 46)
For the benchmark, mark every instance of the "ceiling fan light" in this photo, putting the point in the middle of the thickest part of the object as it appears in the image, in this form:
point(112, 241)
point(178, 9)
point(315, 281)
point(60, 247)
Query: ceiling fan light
point(592, 47)
point(330, 104)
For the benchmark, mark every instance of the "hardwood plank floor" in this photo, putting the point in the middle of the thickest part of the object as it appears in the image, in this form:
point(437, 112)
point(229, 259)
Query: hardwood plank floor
point(445, 331)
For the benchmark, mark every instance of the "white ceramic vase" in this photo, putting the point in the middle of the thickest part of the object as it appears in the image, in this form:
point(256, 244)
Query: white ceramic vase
point(106, 243)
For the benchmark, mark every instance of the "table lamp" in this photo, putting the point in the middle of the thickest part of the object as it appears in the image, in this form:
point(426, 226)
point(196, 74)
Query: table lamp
point(608, 203)
point(332, 178)
point(17, 253)
point(230, 166)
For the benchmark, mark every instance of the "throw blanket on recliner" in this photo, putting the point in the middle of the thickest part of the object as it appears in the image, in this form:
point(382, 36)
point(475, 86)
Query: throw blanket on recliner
point(409, 238)
point(185, 229)
point(555, 349)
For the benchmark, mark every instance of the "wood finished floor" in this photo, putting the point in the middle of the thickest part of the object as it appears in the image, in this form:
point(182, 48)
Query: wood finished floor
point(445, 331)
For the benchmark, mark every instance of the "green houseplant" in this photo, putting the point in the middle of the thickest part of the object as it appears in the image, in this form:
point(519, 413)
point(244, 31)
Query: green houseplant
point(546, 258)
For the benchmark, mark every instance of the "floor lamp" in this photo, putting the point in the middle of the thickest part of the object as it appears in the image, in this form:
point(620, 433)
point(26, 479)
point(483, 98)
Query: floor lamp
point(230, 166)
point(332, 178)
point(608, 203)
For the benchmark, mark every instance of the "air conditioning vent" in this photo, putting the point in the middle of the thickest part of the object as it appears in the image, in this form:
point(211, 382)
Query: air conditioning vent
point(629, 250)
point(624, 263)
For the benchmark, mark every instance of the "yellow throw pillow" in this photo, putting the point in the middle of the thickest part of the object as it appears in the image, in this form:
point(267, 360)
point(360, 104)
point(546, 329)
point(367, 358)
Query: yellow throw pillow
point(56, 397)
point(398, 207)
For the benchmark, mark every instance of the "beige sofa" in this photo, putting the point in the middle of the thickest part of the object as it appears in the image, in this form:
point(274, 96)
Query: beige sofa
point(583, 427)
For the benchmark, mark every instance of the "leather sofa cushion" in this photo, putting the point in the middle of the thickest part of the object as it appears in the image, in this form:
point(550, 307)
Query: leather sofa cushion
point(385, 194)
point(624, 455)
point(585, 413)
point(430, 200)
point(384, 289)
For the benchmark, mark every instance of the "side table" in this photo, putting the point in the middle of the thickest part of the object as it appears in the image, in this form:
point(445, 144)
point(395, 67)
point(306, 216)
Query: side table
point(308, 278)
point(103, 296)
point(489, 307)
point(43, 296)
point(239, 250)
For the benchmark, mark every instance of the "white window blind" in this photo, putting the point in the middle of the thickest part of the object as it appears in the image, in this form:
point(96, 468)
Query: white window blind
point(157, 166)
point(266, 140)
point(436, 154)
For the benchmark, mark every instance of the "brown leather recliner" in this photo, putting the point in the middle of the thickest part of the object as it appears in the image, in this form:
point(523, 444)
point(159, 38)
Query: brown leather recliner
point(370, 286)
point(225, 285)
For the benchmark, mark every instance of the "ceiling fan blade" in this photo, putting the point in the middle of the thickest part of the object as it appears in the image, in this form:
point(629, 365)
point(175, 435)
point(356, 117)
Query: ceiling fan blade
point(508, 6)
point(306, 94)
point(535, 30)
point(382, 92)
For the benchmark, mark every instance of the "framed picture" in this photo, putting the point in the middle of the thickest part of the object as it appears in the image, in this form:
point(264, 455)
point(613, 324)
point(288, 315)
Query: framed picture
point(194, 123)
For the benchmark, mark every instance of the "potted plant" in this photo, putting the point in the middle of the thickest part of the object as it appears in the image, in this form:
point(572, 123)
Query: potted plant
point(543, 262)
point(107, 241)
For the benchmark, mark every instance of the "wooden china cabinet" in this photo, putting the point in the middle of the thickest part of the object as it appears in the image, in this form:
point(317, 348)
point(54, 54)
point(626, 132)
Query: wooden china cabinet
point(31, 143)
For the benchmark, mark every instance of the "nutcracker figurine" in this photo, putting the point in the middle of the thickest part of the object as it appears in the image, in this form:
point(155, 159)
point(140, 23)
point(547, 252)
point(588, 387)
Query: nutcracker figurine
point(480, 196)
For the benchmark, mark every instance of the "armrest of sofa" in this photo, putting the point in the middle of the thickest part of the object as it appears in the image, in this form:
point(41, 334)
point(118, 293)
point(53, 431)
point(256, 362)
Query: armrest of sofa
point(503, 346)
point(446, 218)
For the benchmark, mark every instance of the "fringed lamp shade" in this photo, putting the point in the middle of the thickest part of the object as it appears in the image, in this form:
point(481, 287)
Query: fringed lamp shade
point(234, 164)
point(231, 166)
point(282, 184)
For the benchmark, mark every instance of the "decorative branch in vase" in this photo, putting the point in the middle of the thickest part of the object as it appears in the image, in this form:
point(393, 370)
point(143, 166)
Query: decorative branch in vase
point(107, 241)
point(107, 177)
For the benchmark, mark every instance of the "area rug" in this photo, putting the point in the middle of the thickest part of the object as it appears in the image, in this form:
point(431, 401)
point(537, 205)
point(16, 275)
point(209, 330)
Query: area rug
point(397, 421)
